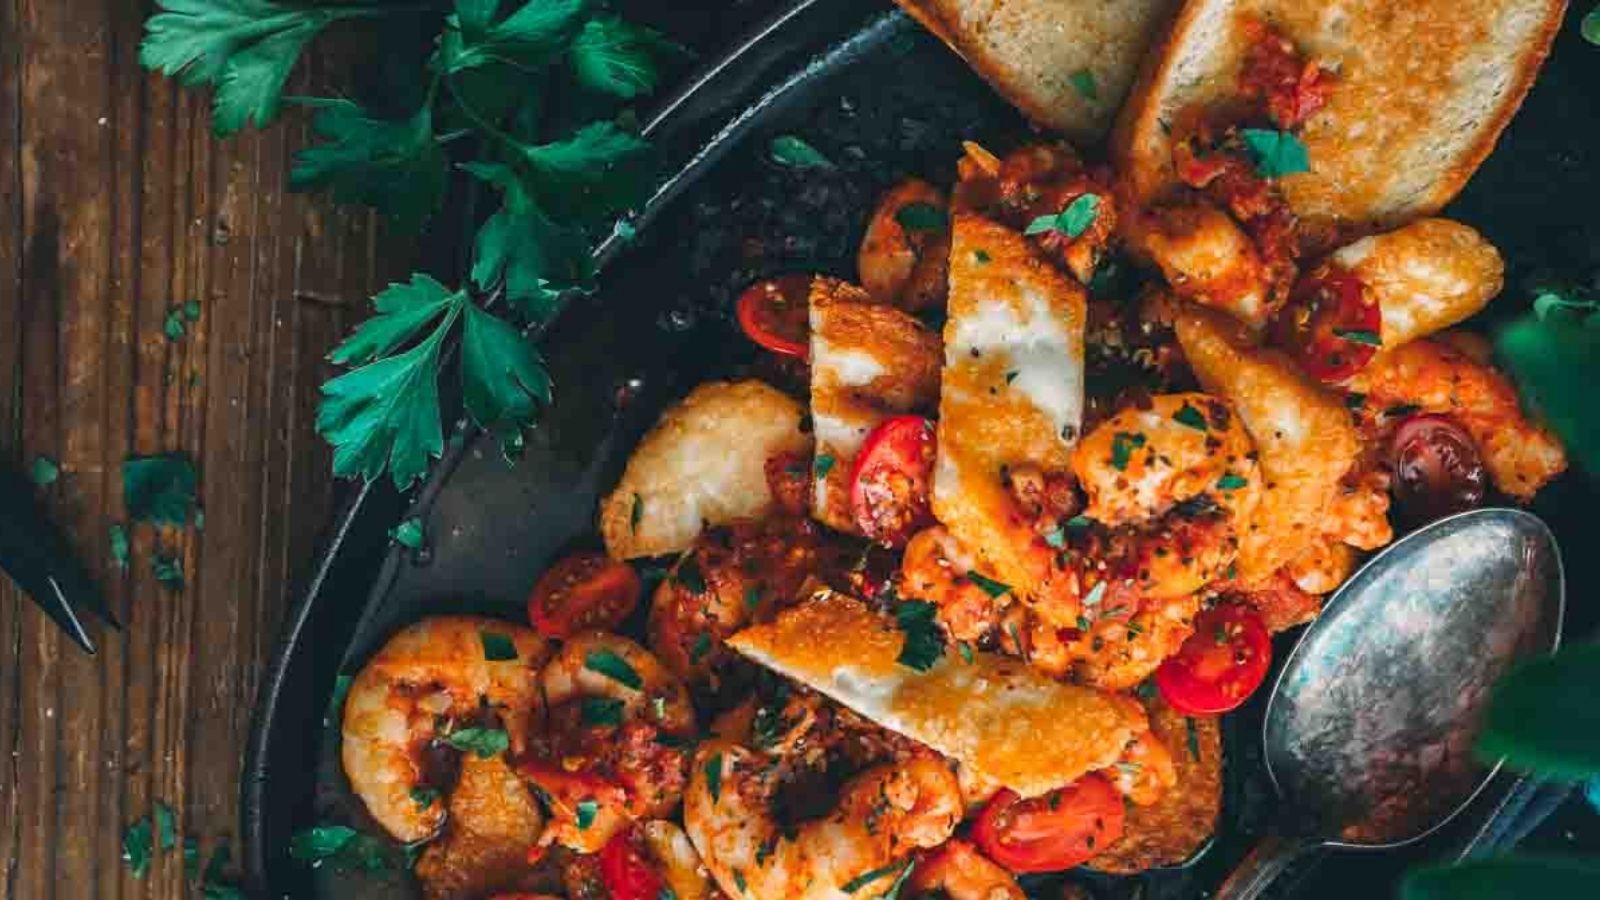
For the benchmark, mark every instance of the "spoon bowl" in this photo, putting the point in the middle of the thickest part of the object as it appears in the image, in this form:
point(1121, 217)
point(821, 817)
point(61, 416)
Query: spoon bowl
point(1370, 727)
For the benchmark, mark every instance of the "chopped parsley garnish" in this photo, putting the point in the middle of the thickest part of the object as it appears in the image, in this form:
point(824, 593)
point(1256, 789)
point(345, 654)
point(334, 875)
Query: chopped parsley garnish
point(636, 515)
point(713, 770)
point(1078, 523)
point(1359, 336)
point(982, 256)
point(1146, 690)
point(1083, 81)
point(1354, 400)
point(408, 533)
point(1232, 482)
point(601, 711)
point(586, 811)
point(614, 667)
point(485, 743)
point(702, 646)
point(1275, 153)
point(922, 217)
point(45, 471)
point(1401, 409)
point(320, 842)
point(1084, 624)
point(924, 644)
point(1016, 638)
point(1194, 738)
point(159, 489)
point(794, 153)
point(988, 585)
point(822, 466)
point(1095, 594)
point(966, 652)
point(168, 571)
point(1056, 538)
point(1072, 221)
point(424, 796)
point(119, 546)
point(137, 847)
point(1010, 377)
point(689, 575)
point(866, 878)
point(1122, 446)
point(1188, 415)
point(752, 598)
point(739, 882)
point(497, 647)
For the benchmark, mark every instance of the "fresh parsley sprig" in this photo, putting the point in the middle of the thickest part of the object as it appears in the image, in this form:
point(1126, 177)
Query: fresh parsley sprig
point(484, 108)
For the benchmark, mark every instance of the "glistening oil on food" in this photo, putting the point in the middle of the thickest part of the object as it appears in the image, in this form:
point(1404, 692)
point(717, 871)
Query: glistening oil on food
point(956, 584)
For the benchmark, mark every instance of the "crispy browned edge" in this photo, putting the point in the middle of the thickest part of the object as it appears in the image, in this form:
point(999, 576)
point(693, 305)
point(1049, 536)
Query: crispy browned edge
point(987, 68)
point(1141, 112)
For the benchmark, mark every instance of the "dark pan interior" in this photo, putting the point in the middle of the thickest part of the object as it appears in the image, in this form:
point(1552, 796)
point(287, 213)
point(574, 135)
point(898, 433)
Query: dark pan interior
point(882, 100)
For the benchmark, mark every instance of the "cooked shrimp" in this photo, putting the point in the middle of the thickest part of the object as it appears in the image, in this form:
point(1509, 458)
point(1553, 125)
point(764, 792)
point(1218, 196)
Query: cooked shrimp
point(959, 871)
point(431, 675)
point(1426, 276)
point(493, 821)
point(1146, 770)
point(1117, 651)
point(1206, 257)
point(1277, 599)
point(603, 763)
point(1359, 513)
point(1180, 469)
point(883, 815)
point(1428, 376)
point(934, 569)
point(905, 257)
point(1322, 566)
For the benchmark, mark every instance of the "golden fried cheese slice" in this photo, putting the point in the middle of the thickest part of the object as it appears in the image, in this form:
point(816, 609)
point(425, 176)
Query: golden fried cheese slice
point(868, 362)
point(704, 463)
point(1011, 394)
point(999, 717)
point(1302, 432)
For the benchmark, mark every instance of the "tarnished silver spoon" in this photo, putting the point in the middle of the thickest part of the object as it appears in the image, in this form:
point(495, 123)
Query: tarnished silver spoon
point(1369, 729)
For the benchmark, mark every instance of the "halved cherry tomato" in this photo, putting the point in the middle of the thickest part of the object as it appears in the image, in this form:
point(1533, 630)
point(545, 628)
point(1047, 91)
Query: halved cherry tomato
point(583, 592)
point(892, 480)
point(776, 313)
point(1331, 324)
point(1052, 832)
point(1220, 665)
point(627, 869)
point(1437, 468)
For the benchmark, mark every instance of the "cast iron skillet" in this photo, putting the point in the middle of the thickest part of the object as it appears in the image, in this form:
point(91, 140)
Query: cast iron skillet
point(882, 100)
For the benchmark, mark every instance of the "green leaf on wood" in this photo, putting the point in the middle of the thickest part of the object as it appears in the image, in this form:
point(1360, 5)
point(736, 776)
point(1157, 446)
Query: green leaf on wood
point(159, 489)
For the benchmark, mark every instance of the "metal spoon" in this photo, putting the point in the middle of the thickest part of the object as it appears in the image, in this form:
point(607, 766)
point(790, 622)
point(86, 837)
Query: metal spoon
point(1370, 727)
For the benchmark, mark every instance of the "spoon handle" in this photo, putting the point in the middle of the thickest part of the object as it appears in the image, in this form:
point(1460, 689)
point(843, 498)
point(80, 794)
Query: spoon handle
point(1266, 862)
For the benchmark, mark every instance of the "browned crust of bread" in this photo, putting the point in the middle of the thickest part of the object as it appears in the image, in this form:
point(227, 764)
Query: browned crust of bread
point(987, 67)
point(1151, 180)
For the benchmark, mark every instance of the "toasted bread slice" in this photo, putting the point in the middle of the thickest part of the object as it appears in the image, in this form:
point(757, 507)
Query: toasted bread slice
point(1424, 89)
point(704, 463)
point(1033, 52)
point(995, 715)
point(868, 362)
point(1012, 389)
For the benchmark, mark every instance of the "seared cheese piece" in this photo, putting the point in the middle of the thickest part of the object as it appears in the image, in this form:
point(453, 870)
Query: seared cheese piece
point(1011, 392)
point(1426, 276)
point(868, 362)
point(1000, 718)
point(704, 463)
point(1303, 434)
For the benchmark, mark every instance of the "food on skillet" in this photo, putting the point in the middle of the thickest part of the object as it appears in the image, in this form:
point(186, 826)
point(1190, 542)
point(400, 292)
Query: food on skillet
point(971, 603)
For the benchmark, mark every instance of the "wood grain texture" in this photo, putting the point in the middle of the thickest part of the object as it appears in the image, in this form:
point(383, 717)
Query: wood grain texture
point(115, 205)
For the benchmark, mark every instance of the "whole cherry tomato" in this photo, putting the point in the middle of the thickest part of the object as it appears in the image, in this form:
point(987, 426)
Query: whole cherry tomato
point(1056, 831)
point(1220, 665)
point(583, 592)
point(776, 313)
point(1437, 468)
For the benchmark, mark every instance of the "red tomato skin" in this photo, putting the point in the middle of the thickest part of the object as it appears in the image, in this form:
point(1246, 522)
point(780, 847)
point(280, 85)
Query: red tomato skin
point(583, 592)
point(1053, 832)
point(901, 450)
point(1326, 323)
point(761, 307)
point(1438, 469)
point(1220, 665)
point(626, 871)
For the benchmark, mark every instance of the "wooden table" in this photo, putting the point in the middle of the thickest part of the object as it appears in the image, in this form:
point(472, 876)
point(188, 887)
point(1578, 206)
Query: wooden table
point(115, 206)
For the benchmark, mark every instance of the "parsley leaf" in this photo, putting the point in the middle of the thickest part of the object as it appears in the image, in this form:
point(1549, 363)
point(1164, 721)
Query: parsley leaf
point(386, 413)
point(392, 165)
point(408, 533)
point(168, 570)
point(822, 466)
point(424, 796)
point(1083, 81)
point(1556, 361)
point(525, 250)
point(1188, 415)
point(602, 711)
point(702, 646)
point(1122, 446)
point(485, 742)
point(585, 813)
point(794, 153)
point(320, 842)
point(1590, 28)
point(614, 57)
point(243, 47)
point(1072, 221)
point(608, 663)
point(166, 824)
point(1359, 336)
point(1232, 482)
point(527, 38)
point(988, 585)
point(922, 217)
point(403, 310)
point(713, 770)
point(44, 471)
point(1276, 153)
point(119, 546)
point(503, 379)
point(138, 844)
point(924, 644)
point(866, 878)
point(497, 647)
point(158, 489)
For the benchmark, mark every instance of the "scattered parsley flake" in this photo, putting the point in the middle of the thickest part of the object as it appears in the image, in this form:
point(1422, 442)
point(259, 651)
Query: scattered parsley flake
point(119, 546)
point(608, 663)
point(168, 570)
point(1056, 538)
point(1078, 523)
point(793, 152)
point(989, 586)
point(924, 645)
point(486, 743)
point(1083, 81)
point(424, 796)
point(636, 515)
point(866, 878)
point(1072, 221)
point(341, 690)
point(689, 575)
point(739, 882)
point(137, 847)
point(497, 647)
point(408, 533)
point(822, 466)
point(320, 842)
point(1011, 376)
point(924, 217)
point(752, 598)
point(166, 826)
point(191, 310)
point(586, 812)
point(982, 256)
point(44, 471)
point(1190, 416)
point(702, 646)
point(1193, 737)
point(173, 327)
point(1095, 595)
point(1122, 446)
point(159, 489)
point(713, 770)
point(1359, 336)
point(1232, 482)
point(966, 652)
point(1276, 153)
